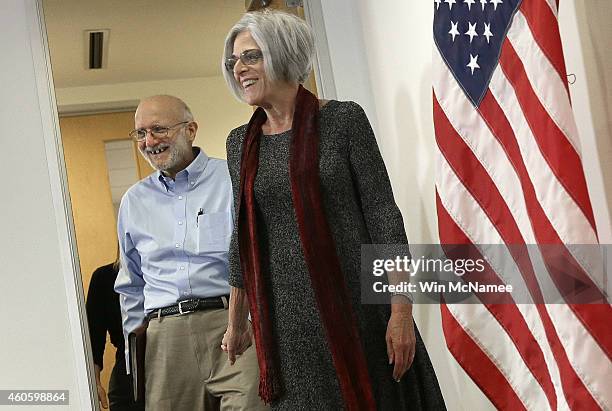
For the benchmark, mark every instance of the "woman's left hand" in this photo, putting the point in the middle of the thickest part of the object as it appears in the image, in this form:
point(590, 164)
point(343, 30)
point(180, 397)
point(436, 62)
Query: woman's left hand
point(235, 342)
point(400, 342)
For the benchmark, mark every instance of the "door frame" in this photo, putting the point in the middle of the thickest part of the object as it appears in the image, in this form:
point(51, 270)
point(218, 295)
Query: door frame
point(75, 298)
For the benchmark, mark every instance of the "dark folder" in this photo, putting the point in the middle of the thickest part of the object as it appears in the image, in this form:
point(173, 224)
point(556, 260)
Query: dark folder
point(137, 343)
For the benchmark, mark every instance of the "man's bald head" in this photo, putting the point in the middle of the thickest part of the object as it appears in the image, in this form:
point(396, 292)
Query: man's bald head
point(173, 108)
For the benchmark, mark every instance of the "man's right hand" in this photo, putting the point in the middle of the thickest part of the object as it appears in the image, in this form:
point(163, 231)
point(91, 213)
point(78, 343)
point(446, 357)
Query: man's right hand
point(235, 342)
point(102, 396)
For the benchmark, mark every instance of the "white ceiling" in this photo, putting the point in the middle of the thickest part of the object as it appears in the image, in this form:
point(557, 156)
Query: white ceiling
point(149, 39)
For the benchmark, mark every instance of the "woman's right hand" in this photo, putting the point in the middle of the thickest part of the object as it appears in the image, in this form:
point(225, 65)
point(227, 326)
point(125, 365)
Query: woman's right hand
point(236, 341)
point(102, 397)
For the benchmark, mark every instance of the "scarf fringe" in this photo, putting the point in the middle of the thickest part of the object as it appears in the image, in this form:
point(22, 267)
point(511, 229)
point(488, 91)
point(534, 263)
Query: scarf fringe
point(269, 387)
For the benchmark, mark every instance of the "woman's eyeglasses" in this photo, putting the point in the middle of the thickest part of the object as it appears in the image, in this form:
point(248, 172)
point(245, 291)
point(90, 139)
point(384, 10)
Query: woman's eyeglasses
point(247, 57)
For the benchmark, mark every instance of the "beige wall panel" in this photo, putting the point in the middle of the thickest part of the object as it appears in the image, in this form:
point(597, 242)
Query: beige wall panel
point(593, 18)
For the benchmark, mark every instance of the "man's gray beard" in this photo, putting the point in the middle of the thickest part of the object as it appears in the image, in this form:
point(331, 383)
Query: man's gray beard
point(168, 164)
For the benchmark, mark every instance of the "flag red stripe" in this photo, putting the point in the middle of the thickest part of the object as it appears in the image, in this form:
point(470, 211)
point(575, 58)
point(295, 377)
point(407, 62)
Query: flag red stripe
point(592, 317)
point(495, 118)
point(545, 29)
point(474, 361)
point(477, 181)
point(577, 395)
point(565, 206)
point(469, 170)
point(591, 314)
point(505, 311)
point(478, 365)
point(557, 151)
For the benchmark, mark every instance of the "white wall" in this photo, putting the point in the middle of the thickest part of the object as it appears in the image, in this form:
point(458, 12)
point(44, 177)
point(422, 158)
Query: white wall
point(380, 56)
point(385, 46)
point(377, 62)
point(41, 345)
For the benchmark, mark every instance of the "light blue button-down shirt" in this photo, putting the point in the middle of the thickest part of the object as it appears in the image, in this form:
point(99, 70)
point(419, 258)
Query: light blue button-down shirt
point(174, 238)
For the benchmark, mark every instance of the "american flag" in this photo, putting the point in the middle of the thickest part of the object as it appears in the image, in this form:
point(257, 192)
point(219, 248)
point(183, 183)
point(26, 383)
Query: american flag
point(509, 171)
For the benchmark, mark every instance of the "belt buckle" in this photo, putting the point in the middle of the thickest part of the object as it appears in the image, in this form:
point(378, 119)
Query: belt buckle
point(180, 307)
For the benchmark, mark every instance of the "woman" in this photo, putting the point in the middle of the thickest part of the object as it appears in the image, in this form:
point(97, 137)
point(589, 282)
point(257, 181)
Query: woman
point(104, 316)
point(310, 187)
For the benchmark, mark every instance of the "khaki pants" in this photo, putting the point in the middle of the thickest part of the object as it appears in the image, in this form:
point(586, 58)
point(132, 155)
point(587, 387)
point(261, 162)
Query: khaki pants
point(185, 368)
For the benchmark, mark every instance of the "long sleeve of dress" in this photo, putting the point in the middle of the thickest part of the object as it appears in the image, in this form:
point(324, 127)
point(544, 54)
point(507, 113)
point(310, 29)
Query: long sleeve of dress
point(382, 216)
point(234, 149)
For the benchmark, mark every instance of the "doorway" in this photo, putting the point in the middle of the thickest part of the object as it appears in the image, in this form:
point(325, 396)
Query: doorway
point(140, 49)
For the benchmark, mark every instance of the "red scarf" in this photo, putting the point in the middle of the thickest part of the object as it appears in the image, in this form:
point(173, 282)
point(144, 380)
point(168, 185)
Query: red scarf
point(328, 282)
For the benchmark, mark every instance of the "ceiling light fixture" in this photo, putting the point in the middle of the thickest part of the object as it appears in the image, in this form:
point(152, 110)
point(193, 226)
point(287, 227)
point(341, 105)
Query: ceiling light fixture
point(97, 48)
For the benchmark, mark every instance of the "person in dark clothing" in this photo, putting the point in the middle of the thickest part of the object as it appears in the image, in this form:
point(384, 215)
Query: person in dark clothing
point(104, 315)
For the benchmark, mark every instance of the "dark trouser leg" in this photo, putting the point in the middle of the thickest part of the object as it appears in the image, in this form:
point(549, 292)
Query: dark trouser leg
point(120, 395)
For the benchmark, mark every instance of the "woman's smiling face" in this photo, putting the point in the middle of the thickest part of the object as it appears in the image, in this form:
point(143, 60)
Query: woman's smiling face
point(251, 77)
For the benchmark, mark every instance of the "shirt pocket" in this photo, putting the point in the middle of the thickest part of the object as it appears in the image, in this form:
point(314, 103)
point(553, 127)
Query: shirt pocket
point(214, 232)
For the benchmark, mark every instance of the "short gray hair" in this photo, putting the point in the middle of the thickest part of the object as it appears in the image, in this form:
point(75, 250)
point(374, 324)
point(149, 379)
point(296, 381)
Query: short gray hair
point(285, 40)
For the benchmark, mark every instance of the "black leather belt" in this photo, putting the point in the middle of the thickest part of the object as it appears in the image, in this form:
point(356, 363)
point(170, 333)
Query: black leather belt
point(189, 306)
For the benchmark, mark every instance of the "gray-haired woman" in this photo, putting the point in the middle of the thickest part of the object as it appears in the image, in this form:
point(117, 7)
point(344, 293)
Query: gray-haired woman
point(310, 187)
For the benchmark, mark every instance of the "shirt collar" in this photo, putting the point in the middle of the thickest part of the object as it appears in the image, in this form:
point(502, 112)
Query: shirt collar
point(192, 172)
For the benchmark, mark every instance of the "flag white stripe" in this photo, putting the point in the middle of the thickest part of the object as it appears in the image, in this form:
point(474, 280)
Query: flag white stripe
point(534, 322)
point(484, 329)
point(553, 6)
point(474, 131)
point(585, 355)
point(546, 83)
point(567, 219)
point(472, 128)
point(578, 343)
point(576, 339)
point(457, 201)
point(551, 92)
point(565, 215)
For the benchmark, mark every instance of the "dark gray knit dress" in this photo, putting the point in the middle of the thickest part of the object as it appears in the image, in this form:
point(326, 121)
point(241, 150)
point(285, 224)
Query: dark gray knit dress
point(360, 209)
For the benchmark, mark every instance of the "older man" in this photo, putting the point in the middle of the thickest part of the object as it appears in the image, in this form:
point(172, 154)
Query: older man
point(174, 231)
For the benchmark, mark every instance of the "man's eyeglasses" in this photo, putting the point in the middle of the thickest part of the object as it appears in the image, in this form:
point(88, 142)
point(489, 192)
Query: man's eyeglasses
point(248, 57)
point(156, 131)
